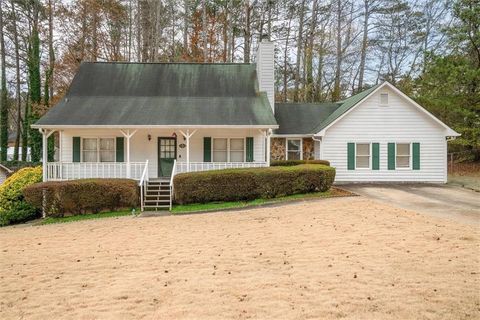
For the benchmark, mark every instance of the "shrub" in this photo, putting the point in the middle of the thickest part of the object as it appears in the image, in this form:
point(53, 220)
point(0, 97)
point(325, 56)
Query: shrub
point(83, 196)
point(284, 163)
point(248, 184)
point(13, 208)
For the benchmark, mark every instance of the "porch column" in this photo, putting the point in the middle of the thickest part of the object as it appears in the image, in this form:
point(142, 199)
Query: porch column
point(45, 134)
point(268, 133)
point(127, 134)
point(187, 136)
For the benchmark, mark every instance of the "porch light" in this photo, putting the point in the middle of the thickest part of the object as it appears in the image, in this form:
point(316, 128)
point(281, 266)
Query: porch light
point(149, 136)
point(174, 134)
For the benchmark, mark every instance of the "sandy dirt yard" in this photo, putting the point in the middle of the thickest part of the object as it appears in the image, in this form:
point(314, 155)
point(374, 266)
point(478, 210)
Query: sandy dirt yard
point(335, 258)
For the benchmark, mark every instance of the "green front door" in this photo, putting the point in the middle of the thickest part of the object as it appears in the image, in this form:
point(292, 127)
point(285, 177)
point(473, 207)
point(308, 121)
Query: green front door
point(167, 153)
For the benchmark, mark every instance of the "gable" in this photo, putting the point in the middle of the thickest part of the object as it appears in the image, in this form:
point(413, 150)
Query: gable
point(398, 102)
point(399, 117)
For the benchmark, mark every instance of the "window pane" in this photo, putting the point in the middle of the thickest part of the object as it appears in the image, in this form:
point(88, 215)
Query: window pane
point(363, 162)
point(219, 144)
point(236, 156)
point(107, 156)
point(107, 144)
point(403, 161)
point(293, 155)
point(219, 156)
point(90, 144)
point(293, 145)
point(403, 149)
point(363, 149)
point(89, 156)
point(236, 144)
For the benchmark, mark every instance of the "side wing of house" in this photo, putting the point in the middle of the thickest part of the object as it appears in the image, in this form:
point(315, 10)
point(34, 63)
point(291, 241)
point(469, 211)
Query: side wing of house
point(387, 138)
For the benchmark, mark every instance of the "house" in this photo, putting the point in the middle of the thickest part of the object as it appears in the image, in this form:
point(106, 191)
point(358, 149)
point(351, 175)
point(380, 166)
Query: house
point(150, 121)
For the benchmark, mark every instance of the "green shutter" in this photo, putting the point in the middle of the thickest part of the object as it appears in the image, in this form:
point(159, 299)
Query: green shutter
point(351, 156)
point(249, 149)
point(391, 156)
point(416, 156)
point(207, 149)
point(120, 153)
point(375, 156)
point(76, 149)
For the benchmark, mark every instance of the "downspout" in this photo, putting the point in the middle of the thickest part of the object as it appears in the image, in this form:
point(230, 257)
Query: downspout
point(320, 146)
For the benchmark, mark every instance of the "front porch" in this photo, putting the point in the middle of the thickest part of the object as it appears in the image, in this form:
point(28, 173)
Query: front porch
point(146, 154)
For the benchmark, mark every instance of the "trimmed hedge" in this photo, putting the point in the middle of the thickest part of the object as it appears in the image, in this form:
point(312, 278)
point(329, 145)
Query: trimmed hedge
point(83, 196)
point(283, 163)
point(249, 184)
point(13, 208)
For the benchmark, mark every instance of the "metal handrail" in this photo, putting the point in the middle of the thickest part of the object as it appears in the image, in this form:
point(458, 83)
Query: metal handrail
point(142, 182)
point(174, 171)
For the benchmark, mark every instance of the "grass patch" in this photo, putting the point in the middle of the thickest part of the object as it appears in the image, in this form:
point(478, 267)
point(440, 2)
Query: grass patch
point(214, 206)
point(89, 216)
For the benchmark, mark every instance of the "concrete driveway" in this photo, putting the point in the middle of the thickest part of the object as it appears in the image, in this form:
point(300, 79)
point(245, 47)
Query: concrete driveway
point(462, 205)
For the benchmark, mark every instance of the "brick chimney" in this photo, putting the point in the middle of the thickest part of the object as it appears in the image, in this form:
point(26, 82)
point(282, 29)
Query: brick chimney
point(266, 69)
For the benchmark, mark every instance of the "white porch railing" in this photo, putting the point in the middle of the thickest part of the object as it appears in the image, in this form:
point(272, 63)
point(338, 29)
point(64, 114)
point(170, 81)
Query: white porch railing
point(143, 184)
point(174, 172)
point(206, 166)
point(82, 170)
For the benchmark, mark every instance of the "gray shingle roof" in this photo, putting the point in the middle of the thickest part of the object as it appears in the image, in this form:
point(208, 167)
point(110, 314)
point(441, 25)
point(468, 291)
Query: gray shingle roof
point(162, 94)
point(301, 118)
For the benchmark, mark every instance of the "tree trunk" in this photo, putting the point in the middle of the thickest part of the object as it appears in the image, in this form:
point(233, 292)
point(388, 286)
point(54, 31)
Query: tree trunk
point(363, 54)
point(186, 20)
point(3, 96)
point(299, 51)
point(18, 99)
point(285, 62)
point(204, 30)
point(247, 33)
point(33, 64)
point(336, 87)
point(309, 94)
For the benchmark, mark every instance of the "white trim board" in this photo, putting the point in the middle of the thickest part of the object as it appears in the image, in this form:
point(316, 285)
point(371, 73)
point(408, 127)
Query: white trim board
point(35, 126)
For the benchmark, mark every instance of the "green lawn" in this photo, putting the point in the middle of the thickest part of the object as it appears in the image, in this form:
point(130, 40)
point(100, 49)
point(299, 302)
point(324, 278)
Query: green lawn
point(50, 220)
point(204, 207)
point(214, 206)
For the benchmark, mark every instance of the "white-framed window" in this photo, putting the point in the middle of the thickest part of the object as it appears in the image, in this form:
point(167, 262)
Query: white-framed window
point(228, 150)
point(294, 149)
point(98, 149)
point(237, 150)
point(362, 157)
point(220, 150)
point(384, 99)
point(402, 154)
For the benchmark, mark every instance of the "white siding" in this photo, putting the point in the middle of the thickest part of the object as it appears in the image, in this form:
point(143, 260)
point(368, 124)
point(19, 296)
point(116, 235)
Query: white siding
point(142, 149)
point(266, 70)
point(400, 121)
